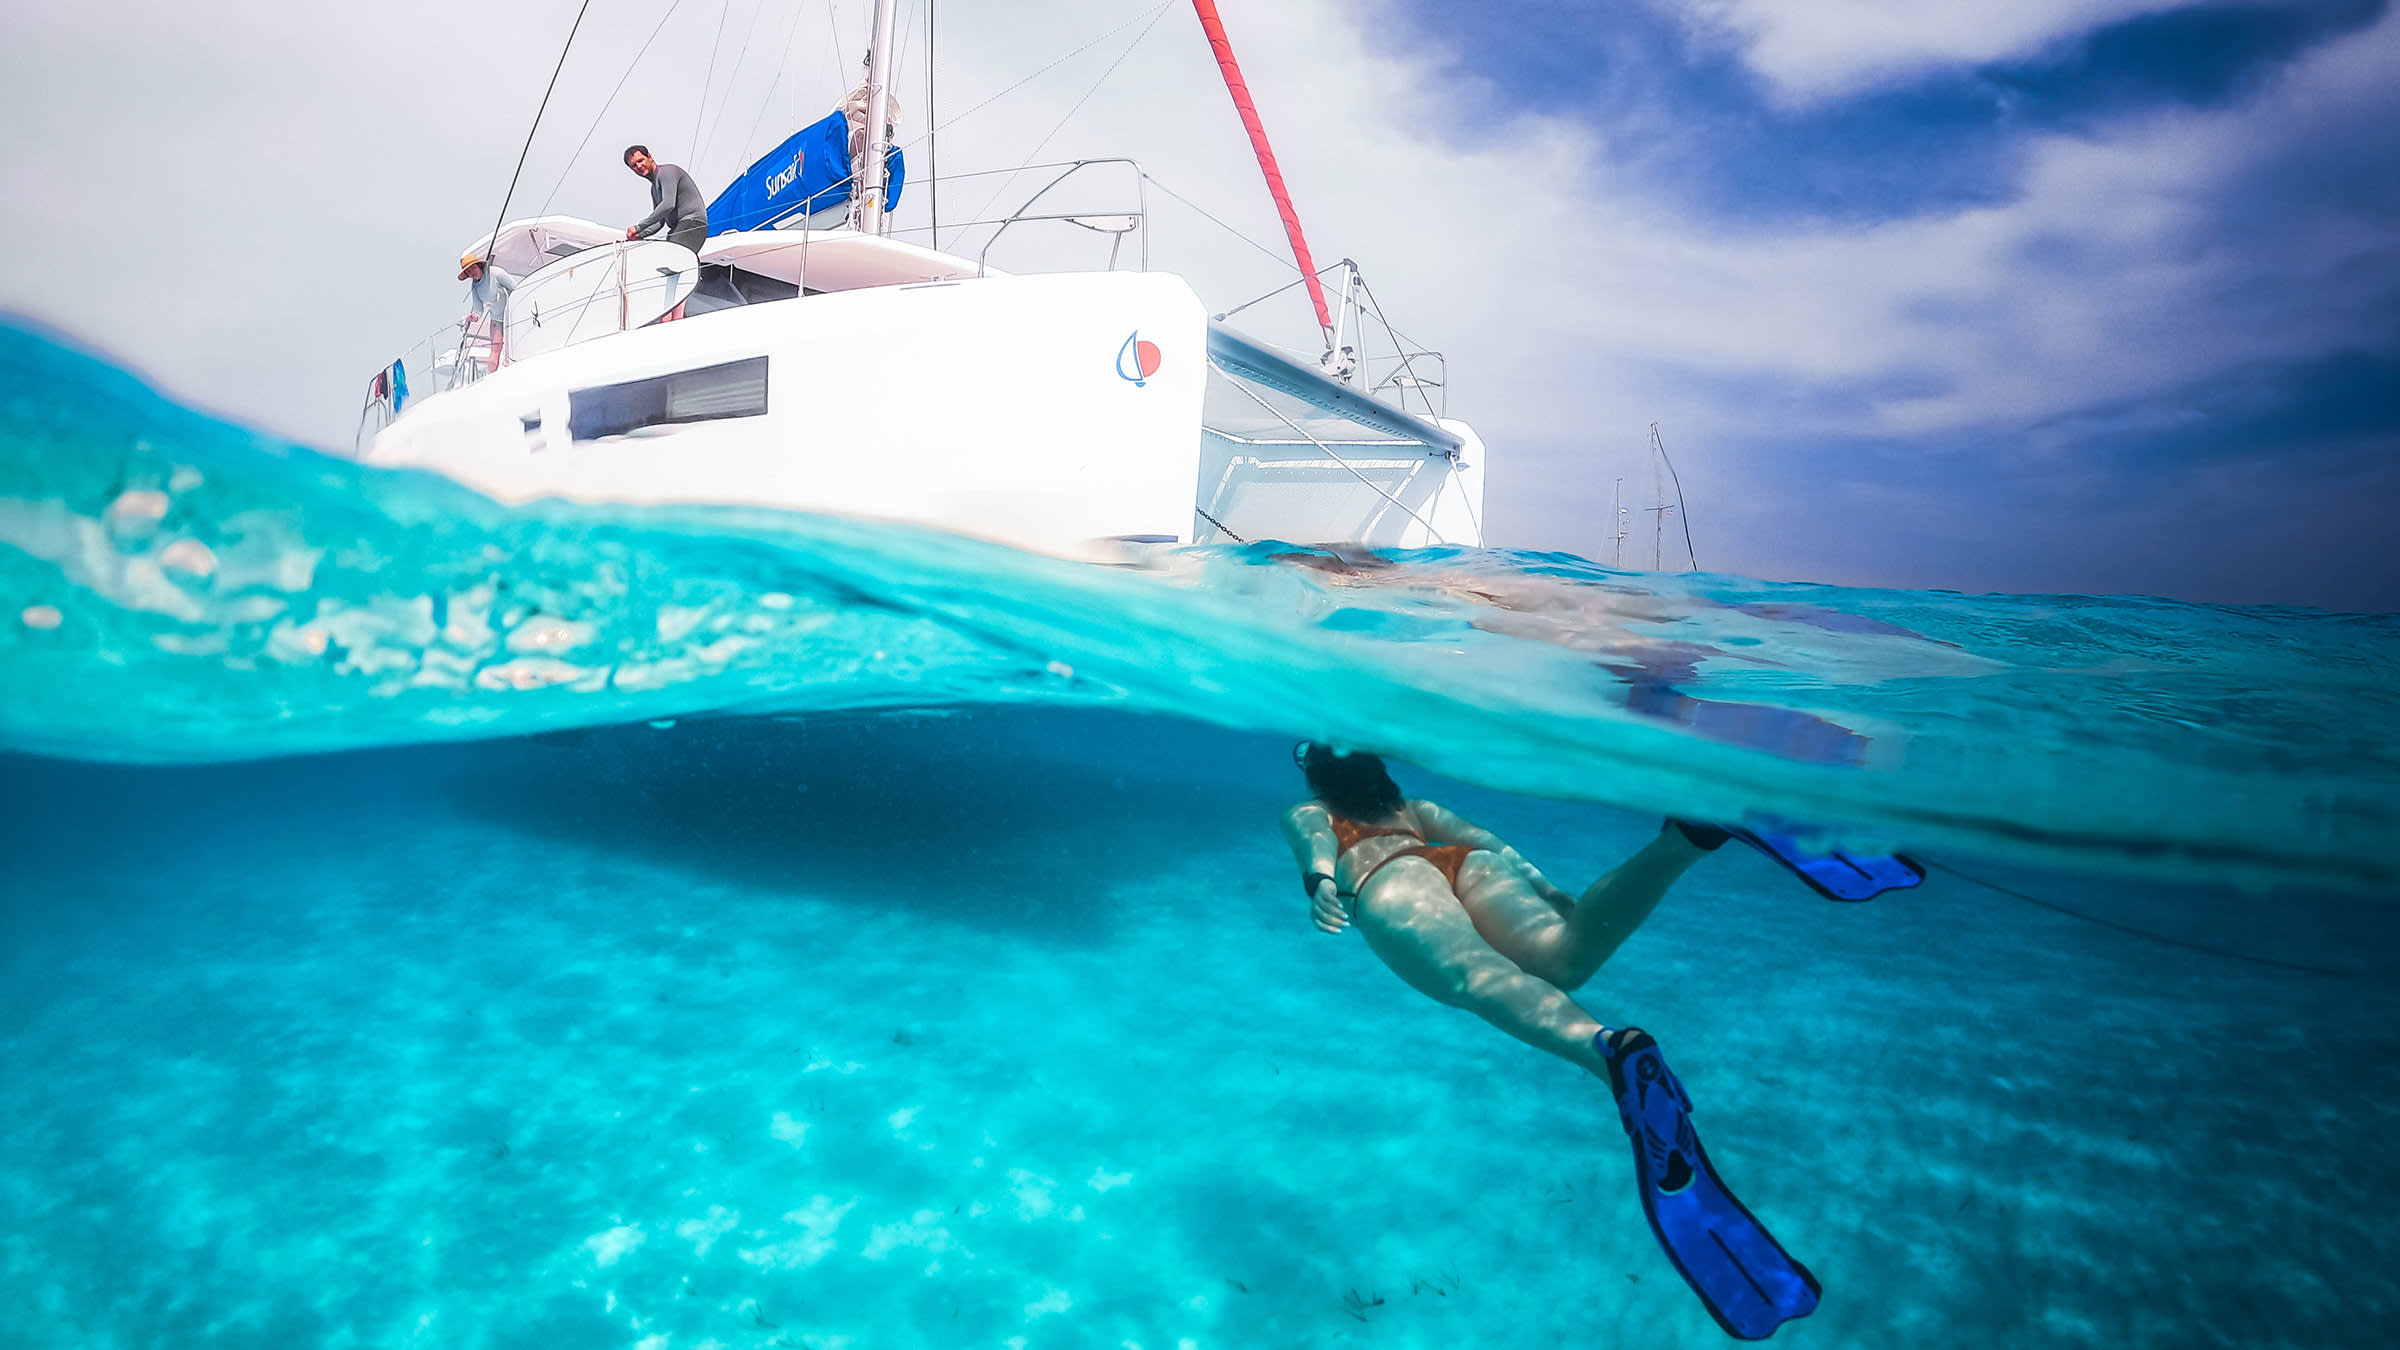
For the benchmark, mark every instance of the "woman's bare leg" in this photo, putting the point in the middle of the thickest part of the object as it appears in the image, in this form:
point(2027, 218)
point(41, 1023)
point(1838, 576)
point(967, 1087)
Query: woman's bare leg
point(1410, 919)
point(1523, 927)
point(1611, 908)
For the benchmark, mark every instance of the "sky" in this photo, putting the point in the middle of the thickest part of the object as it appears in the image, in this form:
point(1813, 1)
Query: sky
point(2094, 296)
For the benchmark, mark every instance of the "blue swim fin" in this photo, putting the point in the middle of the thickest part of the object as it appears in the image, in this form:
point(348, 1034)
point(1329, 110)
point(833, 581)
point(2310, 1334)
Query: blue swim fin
point(1834, 873)
point(1749, 1283)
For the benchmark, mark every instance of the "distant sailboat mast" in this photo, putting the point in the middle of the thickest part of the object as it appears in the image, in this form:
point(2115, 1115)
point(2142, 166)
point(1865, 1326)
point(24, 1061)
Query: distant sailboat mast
point(874, 174)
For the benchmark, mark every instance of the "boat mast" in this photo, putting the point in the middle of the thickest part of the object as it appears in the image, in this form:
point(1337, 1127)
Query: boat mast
point(873, 179)
point(1617, 505)
point(1234, 85)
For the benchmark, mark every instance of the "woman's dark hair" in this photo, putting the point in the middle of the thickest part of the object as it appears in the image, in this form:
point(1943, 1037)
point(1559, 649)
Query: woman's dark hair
point(1354, 785)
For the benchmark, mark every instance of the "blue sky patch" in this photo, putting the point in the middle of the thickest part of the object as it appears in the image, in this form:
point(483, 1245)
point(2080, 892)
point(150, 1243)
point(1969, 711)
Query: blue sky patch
point(1699, 122)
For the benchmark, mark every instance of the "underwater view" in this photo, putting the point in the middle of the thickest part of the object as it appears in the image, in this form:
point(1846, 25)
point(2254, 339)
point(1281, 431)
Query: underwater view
point(432, 923)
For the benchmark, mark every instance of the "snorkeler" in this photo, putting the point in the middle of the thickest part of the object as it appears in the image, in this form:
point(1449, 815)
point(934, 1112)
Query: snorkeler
point(1467, 921)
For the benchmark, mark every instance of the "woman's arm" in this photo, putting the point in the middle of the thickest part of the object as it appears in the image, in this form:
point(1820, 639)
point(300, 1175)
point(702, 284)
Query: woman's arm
point(1441, 825)
point(1308, 828)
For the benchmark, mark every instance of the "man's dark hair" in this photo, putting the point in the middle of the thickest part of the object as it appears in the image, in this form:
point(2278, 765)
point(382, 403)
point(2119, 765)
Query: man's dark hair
point(632, 150)
point(1354, 785)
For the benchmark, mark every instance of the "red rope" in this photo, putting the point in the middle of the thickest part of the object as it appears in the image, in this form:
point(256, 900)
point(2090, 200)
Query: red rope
point(1234, 85)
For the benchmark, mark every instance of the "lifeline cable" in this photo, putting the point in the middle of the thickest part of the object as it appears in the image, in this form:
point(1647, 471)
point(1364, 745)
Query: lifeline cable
point(537, 126)
point(2160, 938)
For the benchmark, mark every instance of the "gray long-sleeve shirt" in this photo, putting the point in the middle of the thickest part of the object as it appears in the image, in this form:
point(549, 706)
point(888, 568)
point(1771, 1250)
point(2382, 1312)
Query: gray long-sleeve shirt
point(677, 199)
point(488, 294)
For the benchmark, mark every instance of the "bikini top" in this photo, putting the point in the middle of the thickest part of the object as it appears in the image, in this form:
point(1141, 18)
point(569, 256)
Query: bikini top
point(1347, 832)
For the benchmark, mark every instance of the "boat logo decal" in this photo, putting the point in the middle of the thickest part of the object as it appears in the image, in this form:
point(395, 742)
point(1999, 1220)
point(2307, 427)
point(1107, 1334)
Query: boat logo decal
point(1137, 360)
point(783, 180)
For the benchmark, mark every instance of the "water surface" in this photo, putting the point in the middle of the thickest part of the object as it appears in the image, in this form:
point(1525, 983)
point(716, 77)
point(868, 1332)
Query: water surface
point(430, 924)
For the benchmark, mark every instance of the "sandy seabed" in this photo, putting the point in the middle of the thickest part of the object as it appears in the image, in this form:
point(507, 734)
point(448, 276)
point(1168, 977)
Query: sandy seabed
point(1007, 1029)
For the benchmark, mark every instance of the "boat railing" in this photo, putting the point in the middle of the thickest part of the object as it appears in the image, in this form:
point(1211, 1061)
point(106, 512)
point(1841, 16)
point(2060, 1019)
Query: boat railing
point(460, 353)
point(452, 356)
point(1114, 222)
point(539, 331)
point(801, 218)
point(1412, 378)
point(1423, 373)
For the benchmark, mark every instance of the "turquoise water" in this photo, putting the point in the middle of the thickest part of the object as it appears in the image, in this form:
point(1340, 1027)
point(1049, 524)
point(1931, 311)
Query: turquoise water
point(429, 924)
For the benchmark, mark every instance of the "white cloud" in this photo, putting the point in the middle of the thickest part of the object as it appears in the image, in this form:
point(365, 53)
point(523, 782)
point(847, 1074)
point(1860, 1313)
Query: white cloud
point(2112, 274)
point(1815, 49)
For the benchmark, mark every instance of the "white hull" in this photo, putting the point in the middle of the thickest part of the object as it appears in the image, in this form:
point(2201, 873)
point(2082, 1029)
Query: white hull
point(1066, 413)
point(989, 406)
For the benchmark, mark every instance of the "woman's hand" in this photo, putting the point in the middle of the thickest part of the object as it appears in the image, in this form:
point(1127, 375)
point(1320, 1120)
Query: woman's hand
point(1325, 907)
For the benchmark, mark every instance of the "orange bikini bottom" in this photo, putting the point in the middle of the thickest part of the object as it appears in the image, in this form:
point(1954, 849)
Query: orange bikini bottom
point(1447, 857)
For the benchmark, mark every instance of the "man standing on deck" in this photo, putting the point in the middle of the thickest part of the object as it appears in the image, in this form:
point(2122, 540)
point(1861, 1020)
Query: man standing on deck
point(679, 209)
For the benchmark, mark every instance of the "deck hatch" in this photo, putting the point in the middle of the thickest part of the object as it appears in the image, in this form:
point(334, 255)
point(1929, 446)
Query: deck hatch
point(734, 389)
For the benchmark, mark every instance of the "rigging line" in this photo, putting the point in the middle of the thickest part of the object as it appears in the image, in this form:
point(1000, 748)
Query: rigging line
point(2160, 938)
point(1408, 363)
point(1372, 485)
point(908, 25)
point(1150, 15)
point(1402, 341)
point(1283, 258)
point(750, 137)
point(1474, 517)
point(933, 159)
point(1680, 508)
point(841, 68)
point(733, 81)
point(1408, 358)
point(1062, 122)
point(706, 80)
point(604, 107)
point(537, 124)
point(1262, 299)
point(1377, 306)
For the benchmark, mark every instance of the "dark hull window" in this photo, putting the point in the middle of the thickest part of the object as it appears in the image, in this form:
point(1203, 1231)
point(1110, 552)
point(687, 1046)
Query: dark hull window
point(735, 389)
point(723, 287)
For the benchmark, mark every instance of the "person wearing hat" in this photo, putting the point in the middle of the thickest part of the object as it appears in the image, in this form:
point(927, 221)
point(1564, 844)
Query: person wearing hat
point(488, 285)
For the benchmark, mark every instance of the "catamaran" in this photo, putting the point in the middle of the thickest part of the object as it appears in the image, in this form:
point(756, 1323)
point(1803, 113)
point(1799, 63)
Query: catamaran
point(839, 369)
